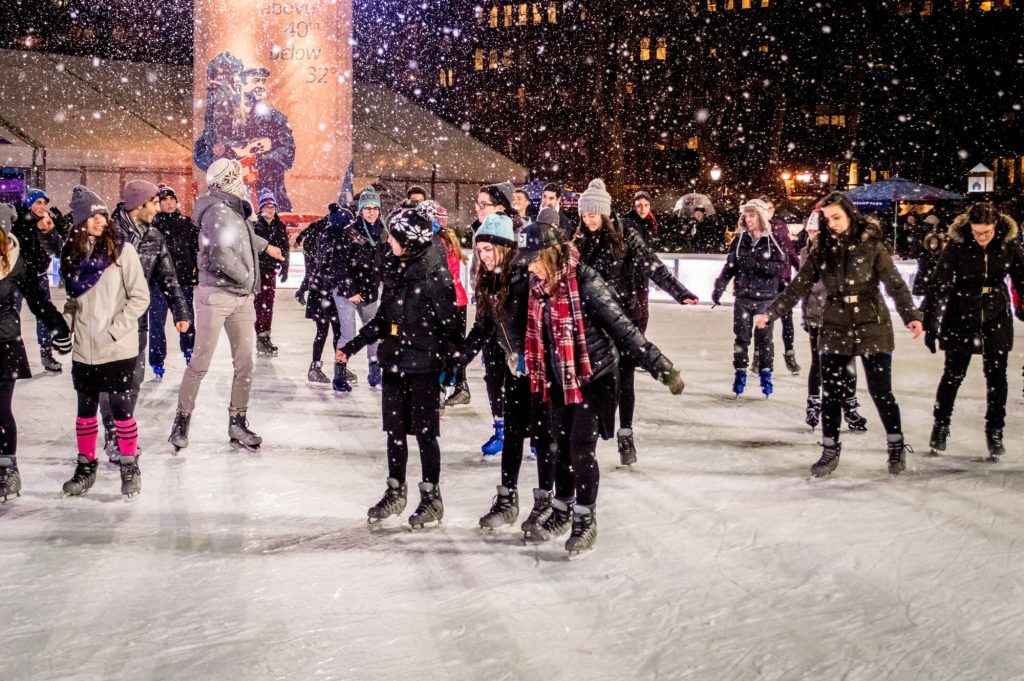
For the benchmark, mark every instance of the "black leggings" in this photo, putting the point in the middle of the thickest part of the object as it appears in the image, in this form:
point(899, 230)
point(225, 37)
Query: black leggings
point(523, 415)
point(494, 376)
point(994, 366)
point(577, 474)
point(788, 331)
point(835, 370)
point(814, 377)
point(320, 339)
point(398, 456)
point(627, 392)
point(121, 405)
point(8, 426)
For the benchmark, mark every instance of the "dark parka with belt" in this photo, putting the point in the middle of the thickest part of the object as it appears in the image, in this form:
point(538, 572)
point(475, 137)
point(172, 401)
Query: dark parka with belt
point(855, 319)
point(968, 304)
point(416, 320)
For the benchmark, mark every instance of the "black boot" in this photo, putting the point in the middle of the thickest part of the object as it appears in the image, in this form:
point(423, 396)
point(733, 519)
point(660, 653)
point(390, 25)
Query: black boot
point(504, 509)
point(898, 455)
point(239, 433)
point(813, 417)
point(316, 373)
point(584, 530)
point(938, 439)
point(994, 439)
point(555, 525)
point(540, 512)
point(627, 450)
point(179, 431)
point(340, 383)
point(854, 421)
point(830, 451)
point(131, 476)
point(10, 478)
point(83, 479)
point(49, 363)
point(791, 364)
point(459, 396)
point(431, 508)
point(392, 503)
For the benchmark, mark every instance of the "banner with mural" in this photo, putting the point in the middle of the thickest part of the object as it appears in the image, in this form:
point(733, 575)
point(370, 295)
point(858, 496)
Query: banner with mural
point(273, 89)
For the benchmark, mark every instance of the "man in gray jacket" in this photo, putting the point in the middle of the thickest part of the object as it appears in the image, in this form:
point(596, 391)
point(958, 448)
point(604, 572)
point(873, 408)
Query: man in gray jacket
point(229, 276)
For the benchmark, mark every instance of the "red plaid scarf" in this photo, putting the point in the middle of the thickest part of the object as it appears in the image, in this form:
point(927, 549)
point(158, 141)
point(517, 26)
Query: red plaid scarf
point(567, 329)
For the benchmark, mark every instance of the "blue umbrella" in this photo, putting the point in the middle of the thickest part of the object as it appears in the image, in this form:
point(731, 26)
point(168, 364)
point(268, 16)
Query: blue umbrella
point(883, 194)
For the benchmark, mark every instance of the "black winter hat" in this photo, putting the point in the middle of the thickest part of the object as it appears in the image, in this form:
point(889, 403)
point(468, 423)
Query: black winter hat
point(413, 228)
point(503, 194)
point(535, 238)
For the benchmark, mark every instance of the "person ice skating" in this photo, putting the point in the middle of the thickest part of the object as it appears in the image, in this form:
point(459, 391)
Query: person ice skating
point(319, 304)
point(622, 257)
point(811, 307)
point(270, 227)
point(495, 198)
point(107, 295)
point(454, 260)
point(754, 260)
point(502, 290)
point(13, 360)
point(851, 259)
point(780, 230)
point(133, 218)
point(182, 238)
point(574, 330)
point(417, 329)
point(40, 231)
point(229, 276)
point(927, 259)
point(967, 312)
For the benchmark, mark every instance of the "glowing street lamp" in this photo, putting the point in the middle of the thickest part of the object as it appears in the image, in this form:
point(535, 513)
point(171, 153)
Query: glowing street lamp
point(823, 178)
point(716, 173)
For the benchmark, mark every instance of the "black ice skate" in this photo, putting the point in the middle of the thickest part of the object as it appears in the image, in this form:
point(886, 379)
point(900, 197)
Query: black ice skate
point(49, 363)
point(10, 479)
point(627, 450)
point(240, 435)
point(392, 503)
point(854, 421)
point(459, 396)
point(316, 373)
point(898, 456)
point(994, 440)
point(264, 347)
point(83, 479)
point(937, 442)
point(791, 365)
point(828, 461)
point(431, 508)
point(131, 476)
point(813, 417)
point(504, 509)
point(179, 431)
point(540, 512)
point(584, 531)
point(555, 525)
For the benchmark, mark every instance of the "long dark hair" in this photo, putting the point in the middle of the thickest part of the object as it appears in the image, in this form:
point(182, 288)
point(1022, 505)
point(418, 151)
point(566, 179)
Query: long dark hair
point(609, 226)
point(491, 288)
point(78, 249)
point(827, 241)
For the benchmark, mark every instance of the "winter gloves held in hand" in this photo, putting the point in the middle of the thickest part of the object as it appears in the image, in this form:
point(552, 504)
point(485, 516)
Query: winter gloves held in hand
point(673, 380)
point(929, 341)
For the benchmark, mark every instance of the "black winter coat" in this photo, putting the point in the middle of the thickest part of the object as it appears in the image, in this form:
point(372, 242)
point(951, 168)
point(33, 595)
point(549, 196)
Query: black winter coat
point(182, 238)
point(855, 319)
point(968, 289)
point(36, 247)
point(416, 322)
point(276, 234)
point(931, 249)
point(24, 281)
point(755, 266)
point(510, 330)
point(157, 265)
point(629, 276)
point(350, 259)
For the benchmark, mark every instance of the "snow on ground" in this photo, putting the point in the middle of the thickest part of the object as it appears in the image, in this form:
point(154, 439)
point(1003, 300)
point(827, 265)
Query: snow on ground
point(717, 558)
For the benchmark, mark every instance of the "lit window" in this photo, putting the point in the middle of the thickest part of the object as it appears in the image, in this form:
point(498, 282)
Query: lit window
point(451, 77)
point(927, 9)
point(493, 17)
point(730, 4)
point(713, 52)
point(444, 78)
point(583, 13)
point(763, 48)
point(745, 4)
point(493, 61)
point(629, 88)
point(506, 58)
point(521, 95)
point(645, 49)
point(508, 15)
point(523, 14)
point(661, 52)
point(478, 60)
point(764, 3)
point(552, 13)
point(693, 144)
point(536, 13)
point(478, 13)
point(712, 6)
point(985, 7)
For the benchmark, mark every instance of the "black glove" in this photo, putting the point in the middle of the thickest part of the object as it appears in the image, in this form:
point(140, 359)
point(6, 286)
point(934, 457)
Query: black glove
point(929, 341)
point(716, 299)
point(284, 276)
point(62, 343)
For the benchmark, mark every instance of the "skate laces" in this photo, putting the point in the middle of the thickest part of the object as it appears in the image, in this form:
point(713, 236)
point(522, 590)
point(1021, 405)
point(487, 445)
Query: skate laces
point(896, 450)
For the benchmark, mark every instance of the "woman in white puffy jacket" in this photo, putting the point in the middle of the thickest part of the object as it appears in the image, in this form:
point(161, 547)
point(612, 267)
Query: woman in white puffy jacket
point(107, 293)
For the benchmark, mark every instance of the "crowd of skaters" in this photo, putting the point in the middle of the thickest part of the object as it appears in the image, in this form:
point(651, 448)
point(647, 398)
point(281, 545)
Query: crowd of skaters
point(561, 308)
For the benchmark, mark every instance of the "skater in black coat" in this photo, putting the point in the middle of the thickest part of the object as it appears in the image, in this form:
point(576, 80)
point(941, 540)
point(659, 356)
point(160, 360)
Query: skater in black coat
point(182, 238)
point(15, 277)
point(967, 310)
point(626, 263)
point(271, 227)
point(502, 290)
point(319, 304)
point(416, 327)
point(574, 330)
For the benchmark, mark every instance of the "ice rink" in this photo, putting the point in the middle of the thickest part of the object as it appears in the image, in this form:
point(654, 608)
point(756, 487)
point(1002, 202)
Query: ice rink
point(717, 556)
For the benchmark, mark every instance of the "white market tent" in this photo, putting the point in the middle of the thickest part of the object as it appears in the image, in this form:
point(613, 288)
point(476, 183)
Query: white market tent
point(88, 121)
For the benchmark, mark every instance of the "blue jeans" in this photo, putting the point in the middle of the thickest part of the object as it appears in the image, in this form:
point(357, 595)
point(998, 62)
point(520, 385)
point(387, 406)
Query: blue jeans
point(42, 331)
point(347, 311)
point(158, 320)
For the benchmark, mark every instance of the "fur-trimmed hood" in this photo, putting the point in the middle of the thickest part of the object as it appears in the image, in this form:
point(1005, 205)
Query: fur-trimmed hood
point(934, 242)
point(1006, 229)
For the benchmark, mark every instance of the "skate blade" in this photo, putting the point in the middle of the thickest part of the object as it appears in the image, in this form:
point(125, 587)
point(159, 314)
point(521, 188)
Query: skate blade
point(249, 448)
point(434, 524)
point(4, 501)
point(576, 555)
point(934, 452)
point(489, 458)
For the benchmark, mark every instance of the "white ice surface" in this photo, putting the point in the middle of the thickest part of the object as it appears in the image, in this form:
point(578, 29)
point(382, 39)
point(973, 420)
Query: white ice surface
point(717, 558)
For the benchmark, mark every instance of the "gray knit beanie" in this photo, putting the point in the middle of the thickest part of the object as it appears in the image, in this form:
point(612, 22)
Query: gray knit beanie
point(138, 192)
point(596, 199)
point(84, 204)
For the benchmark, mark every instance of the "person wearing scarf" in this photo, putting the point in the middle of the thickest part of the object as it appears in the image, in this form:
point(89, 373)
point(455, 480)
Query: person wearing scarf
point(107, 293)
point(574, 332)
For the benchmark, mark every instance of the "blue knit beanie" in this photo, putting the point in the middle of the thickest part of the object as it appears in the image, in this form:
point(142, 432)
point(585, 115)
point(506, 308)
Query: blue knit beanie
point(266, 198)
point(34, 195)
point(496, 229)
point(369, 197)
